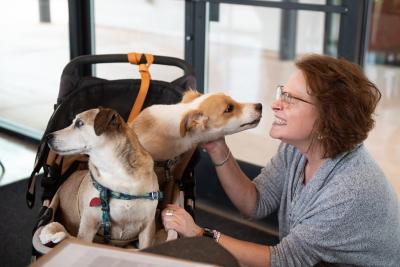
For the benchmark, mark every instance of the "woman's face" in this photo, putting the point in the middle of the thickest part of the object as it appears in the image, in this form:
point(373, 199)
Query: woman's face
point(293, 118)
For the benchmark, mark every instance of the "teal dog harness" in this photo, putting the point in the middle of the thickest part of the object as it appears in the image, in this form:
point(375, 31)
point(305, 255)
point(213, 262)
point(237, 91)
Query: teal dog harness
point(104, 199)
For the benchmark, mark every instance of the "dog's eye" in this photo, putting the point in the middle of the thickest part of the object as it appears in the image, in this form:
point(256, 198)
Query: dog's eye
point(78, 123)
point(228, 109)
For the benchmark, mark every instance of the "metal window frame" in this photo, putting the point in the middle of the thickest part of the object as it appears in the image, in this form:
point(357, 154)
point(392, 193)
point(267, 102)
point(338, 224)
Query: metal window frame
point(196, 25)
point(288, 33)
point(81, 31)
point(354, 30)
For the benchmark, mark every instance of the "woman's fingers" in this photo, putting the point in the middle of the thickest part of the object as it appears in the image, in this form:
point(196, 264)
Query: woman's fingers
point(171, 218)
point(170, 223)
point(178, 219)
point(168, 212)
point(213, 145)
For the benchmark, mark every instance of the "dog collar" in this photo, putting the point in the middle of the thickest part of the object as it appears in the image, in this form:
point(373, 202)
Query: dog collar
point(104, 199)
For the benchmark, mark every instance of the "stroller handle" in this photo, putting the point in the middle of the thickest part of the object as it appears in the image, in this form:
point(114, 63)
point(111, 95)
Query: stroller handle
point(117, 58)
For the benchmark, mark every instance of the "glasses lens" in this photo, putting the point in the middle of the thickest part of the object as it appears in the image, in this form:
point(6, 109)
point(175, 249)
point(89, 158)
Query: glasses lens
point(278, 92)
point(287, 98)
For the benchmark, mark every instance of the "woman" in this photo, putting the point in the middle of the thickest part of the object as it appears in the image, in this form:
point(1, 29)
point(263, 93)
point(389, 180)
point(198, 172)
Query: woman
point(334, 203)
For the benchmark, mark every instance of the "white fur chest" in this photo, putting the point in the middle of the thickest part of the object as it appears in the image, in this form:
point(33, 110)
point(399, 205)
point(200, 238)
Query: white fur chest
point(129, 217)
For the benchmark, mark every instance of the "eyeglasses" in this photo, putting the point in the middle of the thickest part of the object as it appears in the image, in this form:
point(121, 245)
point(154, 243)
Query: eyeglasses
point(286, 97)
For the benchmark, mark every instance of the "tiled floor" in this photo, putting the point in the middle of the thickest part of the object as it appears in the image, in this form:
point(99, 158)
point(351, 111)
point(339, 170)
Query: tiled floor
point(30, 71)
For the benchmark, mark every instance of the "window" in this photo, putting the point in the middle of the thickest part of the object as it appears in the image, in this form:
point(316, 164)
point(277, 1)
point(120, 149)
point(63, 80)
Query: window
point(33, 53)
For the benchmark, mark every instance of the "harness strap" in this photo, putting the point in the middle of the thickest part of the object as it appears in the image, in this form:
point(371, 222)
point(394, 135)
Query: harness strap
point(167, 164)
point(106, 194)
point(105, 208)
point(169, 183)
point(136, 58)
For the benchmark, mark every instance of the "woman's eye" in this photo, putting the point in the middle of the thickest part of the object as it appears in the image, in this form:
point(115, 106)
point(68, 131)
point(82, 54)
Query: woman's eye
point(78, 123)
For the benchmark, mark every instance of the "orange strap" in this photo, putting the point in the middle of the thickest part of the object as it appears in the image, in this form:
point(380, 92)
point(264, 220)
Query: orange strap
point(134, 58)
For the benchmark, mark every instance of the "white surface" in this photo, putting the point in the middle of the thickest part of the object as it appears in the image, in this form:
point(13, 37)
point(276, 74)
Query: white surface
point(82, 255)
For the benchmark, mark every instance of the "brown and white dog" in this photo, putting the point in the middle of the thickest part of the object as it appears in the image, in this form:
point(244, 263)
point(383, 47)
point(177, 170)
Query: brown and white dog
point(167, 131)
point(118, 162)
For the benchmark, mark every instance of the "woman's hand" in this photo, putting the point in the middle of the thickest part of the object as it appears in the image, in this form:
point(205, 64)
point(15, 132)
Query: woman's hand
point(178, 219)
point(217, 149)
point(212, 146)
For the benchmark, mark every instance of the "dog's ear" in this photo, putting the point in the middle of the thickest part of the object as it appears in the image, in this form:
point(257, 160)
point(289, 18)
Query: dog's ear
point(190, 95)
point(192, 120)
point(106, 120)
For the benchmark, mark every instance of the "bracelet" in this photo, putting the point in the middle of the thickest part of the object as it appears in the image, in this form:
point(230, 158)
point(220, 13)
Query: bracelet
point(224, 161)
point(214, 234)
point(217, 236)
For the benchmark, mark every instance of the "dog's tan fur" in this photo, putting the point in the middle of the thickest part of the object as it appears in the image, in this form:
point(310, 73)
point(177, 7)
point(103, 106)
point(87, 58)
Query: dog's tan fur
point(167, 131)
point(118, 162)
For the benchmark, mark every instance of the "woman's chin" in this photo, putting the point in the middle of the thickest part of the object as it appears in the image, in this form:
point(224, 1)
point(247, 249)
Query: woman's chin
point(274, 133)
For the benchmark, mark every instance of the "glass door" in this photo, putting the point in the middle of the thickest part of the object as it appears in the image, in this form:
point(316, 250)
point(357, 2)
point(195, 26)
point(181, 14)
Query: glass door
point(252, 49)
point(142, 26)
point(34, 50)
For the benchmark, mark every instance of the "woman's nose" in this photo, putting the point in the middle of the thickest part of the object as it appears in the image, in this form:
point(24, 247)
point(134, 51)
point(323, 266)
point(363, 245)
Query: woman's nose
point(277, 105)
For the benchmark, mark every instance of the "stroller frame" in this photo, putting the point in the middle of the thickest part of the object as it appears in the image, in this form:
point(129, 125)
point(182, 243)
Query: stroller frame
point(76, 94)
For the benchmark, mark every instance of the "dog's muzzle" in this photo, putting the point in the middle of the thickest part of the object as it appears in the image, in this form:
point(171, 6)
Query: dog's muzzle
point(258, 107)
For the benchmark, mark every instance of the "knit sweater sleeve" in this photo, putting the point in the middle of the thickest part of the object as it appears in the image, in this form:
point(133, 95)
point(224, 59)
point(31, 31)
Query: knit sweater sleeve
point(269, 184)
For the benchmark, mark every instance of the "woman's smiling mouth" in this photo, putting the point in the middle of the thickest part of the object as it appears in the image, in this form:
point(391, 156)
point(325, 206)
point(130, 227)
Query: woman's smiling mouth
point(279, 121)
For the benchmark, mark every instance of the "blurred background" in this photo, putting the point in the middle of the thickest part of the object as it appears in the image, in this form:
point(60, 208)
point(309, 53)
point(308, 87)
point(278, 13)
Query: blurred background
point(243, 48)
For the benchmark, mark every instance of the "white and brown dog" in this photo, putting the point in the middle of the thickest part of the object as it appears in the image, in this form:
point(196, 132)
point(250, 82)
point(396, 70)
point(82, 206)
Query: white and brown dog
point(167, 131)
point(120, 170)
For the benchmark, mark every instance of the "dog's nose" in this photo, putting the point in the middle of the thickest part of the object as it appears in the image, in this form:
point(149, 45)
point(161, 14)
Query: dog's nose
point(259, 107)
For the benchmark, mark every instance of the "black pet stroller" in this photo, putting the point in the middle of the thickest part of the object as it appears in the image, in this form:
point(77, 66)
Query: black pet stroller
point(78, 93)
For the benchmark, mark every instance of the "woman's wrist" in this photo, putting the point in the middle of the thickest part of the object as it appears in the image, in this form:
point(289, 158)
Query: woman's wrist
point(199, 231)
point(220, 155)
point(225, 160)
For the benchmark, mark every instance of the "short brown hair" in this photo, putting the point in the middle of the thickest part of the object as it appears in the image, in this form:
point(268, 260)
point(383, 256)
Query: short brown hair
point(345, 100)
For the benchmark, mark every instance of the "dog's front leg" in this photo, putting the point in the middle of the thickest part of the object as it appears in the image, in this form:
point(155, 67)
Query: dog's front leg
point(146, 237)
point(88, 227)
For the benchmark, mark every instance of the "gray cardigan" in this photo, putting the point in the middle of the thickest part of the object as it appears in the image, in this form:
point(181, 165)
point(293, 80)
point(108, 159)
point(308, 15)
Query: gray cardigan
point(347, 214)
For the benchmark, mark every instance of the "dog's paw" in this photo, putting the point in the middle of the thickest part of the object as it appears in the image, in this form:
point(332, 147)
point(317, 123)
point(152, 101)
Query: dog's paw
point(53, 233)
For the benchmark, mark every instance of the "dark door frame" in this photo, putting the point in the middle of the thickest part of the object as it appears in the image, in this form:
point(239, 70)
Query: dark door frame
point(81, 31)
